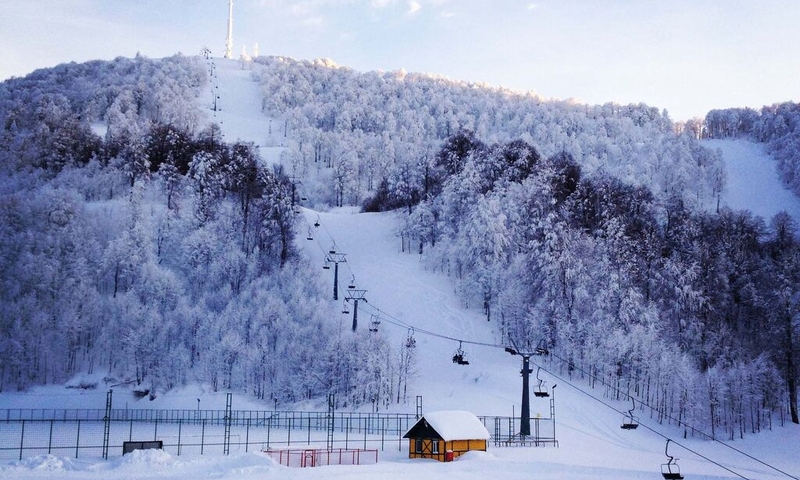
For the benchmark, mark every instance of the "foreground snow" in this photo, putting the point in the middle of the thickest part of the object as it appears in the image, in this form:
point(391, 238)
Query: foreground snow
point(591, 460)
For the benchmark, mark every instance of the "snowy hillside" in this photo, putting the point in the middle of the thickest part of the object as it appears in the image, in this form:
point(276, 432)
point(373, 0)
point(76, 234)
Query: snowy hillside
point(752, 181)
point(410, 301)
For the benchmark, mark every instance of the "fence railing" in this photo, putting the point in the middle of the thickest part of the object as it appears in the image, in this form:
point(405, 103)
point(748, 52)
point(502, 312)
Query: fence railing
point(28, 432)
point(289, 419)
point(319, 458)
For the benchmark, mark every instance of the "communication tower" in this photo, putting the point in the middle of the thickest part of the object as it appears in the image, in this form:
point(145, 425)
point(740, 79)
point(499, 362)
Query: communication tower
point(229, 40)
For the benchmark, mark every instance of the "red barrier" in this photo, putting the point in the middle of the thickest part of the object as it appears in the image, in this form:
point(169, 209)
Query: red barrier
point(321, 457)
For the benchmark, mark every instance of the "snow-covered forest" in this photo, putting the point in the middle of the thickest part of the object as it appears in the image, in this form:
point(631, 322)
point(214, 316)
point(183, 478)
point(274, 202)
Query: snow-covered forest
point(135, 242)
point(130, 229)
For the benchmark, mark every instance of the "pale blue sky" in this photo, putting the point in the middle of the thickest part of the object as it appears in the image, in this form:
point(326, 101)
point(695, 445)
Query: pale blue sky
point(687, 56)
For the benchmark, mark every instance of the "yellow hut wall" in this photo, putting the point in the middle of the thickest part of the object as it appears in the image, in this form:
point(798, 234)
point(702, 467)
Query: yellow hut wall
point(458, 447)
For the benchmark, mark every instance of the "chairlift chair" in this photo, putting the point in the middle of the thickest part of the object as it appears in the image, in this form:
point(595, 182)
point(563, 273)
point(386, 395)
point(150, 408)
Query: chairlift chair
point(352, 284)
point(373, 324)
point(541, 348)
point(458, 357)
point(540, 390)
point(410, 341)
point(630, 421)
point(670, 470)
point(345, 309)
point(316, 222)
point(309, 237)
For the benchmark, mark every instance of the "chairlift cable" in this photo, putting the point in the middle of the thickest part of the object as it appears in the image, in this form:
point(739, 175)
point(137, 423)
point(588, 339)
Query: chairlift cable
point(602, 382)
point(399, 323)
point(333, 242)
point(562, 379)
point(322, 249)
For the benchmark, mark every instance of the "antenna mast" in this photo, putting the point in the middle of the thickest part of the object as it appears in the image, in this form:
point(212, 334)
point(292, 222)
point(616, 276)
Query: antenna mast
point(229, 40)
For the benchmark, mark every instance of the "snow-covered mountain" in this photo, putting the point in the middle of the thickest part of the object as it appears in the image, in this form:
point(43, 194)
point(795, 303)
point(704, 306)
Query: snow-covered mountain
point(411, 297)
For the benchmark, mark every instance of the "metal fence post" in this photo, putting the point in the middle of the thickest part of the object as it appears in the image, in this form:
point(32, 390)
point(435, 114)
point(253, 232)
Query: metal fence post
point(21, 439)
point(180, 424)
point(202, 436)
point(399, 435)
point(78, 439)
point(247, 436)
point(50, 440)
point(107, 424)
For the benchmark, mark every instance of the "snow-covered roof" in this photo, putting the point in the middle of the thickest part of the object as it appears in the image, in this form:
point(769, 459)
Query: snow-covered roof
point(455, 425)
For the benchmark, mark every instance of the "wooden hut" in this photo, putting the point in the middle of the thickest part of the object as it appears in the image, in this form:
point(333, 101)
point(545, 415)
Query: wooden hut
point(446, 435)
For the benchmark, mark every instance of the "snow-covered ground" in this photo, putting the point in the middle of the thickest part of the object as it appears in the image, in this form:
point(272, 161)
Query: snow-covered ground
point(752, 180)
point(414, 301)
point(238, 109)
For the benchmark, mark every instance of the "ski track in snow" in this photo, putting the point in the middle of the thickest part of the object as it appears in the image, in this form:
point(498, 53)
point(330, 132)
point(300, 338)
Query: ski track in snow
point(592, 446)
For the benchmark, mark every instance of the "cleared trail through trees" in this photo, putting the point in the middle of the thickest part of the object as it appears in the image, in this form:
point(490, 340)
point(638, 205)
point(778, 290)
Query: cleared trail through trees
point(238, 112)
point(750, 173)
point(398, 285)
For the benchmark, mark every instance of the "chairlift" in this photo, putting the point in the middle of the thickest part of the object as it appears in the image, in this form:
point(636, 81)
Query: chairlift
point(345, 308)
point(309, 237)
point(540, 390)
point(458, 357)
point(332, 251)
point(303, 199)
point(373, 324)
point(630, 421)
point(352, 284)
point(541, 348)
point(670, 470)
point(410, 341)
point(326, 265)
point(316, 222)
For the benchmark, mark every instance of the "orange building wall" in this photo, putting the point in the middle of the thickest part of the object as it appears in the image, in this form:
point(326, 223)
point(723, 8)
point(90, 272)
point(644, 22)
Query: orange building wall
point(458, 447)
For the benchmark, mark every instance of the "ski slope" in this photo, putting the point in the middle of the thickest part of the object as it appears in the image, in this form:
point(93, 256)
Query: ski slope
point(238, 108)
point(411, 300)
point(752, 180)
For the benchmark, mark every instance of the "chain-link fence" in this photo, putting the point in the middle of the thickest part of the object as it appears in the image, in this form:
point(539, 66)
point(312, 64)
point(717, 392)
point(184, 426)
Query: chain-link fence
point(87, 433)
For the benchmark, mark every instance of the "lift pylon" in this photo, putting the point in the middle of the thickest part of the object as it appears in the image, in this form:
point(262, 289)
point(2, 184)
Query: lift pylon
point(355, 296)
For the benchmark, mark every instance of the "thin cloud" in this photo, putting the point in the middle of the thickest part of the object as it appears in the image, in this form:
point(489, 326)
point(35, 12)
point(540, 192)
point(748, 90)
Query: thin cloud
point(413, 7)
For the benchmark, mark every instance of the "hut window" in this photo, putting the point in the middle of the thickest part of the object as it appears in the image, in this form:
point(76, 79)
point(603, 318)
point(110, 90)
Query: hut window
point(435, 446)
point(418, 445)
